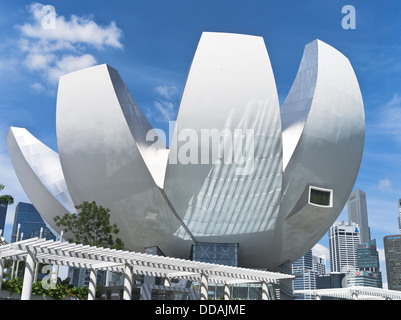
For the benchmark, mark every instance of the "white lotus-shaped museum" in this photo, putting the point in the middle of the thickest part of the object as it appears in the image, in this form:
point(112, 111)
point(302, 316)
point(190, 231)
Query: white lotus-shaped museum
point(287, 184)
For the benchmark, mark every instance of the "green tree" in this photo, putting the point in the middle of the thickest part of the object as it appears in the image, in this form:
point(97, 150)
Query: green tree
point(5, 198)
point(91, 226)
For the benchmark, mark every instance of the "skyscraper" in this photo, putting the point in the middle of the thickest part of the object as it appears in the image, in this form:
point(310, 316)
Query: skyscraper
point(399, 215)
point(368, 274)
point(306, 269)
point(30, 222)
point(343, 238)
point(358, 213)
point(3, 213)
point(319, 265)
point(392, 251)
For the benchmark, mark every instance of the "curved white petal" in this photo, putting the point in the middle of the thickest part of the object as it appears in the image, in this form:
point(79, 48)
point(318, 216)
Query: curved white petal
point(103, 150)
point(230, 92)
point(39, 171)
point(324, 113)
point(295, 109)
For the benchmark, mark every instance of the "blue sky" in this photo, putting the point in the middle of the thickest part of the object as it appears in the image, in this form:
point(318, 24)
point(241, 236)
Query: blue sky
point(152, 42)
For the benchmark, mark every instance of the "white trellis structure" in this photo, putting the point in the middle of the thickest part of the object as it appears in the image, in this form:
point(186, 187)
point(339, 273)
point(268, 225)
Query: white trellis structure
point(354, 293)
point(36, 250)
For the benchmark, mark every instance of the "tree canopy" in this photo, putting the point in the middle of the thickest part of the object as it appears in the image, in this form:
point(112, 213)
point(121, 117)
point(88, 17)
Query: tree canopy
point(91, 226)
point(5, 198)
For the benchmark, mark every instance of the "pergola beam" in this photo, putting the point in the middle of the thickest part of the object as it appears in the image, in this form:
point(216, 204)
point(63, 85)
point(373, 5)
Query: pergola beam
point(351, 293)
point(96, 258)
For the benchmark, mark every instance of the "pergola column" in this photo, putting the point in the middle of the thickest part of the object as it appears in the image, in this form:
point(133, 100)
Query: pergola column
point(265, 291)
point(1, 272)
point(227, 291)
point(204, 295)
point(128, 277)
point(28, 276)
point(92, 284)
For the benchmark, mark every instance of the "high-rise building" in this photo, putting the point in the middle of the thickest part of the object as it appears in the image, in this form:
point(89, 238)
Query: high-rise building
point(306, 269)
point(358, 213)
point(399, 215)
point(3, 213)
point(30, 222)
point(343, 238)
point(368, 274)
point(364, 279)
point(392, 251)
point(367, 256)
point(319, 265)
point(302, 269)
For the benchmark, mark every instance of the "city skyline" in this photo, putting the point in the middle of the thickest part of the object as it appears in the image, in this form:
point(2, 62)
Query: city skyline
point(154, 51)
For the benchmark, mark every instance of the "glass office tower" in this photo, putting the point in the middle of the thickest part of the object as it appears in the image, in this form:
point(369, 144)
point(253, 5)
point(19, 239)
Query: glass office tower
point(30, 223)
point(3, 213)
point(392, 250)
point(369, 274)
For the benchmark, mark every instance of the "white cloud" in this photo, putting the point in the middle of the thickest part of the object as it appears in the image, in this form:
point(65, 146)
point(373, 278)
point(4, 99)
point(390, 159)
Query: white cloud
point(164, 107)
point(320, 250)
point(54, 52)
point(70, 63)
point(38, 61)
point(165, 110)
point(76, 30)
point(385, 185)
point(38, 87)
point(167, 92)
point(390, 118)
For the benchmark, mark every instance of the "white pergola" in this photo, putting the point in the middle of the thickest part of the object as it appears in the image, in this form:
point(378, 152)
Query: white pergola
point(36, 250)
point(354, 293)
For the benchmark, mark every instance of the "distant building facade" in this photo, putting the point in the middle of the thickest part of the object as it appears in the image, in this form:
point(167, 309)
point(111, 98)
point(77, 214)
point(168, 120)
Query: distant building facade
point(306, 269)
point(392, 251)
point(79, 277)
point(358, 213)
point(343, 239)
point(330, 280)
point(3, 213)
point(368, 274)
point(399, 215)
point(319, 264)
point(30, 223)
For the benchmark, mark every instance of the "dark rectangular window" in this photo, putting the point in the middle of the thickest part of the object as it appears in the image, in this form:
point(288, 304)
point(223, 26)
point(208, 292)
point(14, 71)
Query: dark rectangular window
point(320, 197)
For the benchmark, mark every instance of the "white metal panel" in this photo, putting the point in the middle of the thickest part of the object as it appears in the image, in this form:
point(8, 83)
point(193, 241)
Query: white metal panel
point(39, 171)
point(329, 149)
point(102, 141)
point(230, 89)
